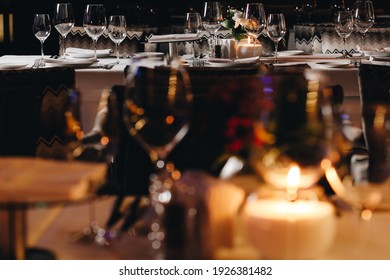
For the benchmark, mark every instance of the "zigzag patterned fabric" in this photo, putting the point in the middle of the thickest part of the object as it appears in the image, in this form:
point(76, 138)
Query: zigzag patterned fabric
point(32, 117)
point(134, 41)
point(322, 38)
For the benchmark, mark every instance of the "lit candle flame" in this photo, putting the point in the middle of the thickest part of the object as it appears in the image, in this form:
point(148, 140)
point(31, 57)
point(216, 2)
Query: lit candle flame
point(293, 179)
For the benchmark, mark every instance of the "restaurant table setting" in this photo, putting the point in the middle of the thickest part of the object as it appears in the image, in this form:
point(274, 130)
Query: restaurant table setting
point(253, 155)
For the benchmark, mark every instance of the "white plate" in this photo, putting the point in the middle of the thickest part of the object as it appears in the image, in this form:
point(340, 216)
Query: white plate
point(148, 54)
point(335, 64)
point(290, 53)
point(12, 66)
point(72, 62)
point(87, 53)
point(225, 62)
point(377, 53)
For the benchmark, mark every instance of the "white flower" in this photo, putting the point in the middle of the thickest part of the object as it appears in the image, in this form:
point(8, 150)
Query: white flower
point(238, 18)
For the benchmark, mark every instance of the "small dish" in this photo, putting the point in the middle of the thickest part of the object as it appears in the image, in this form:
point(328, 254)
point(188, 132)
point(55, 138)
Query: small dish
point(290, 53)
point(12, 66)
point(335, 64)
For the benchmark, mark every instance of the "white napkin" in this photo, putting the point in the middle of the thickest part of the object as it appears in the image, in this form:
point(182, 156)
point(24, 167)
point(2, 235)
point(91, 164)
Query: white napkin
point(71, 61)
point(86, 53)
point(172, 38)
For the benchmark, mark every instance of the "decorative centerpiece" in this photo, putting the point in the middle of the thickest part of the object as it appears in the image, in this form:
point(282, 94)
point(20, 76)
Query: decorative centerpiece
point(234, 22)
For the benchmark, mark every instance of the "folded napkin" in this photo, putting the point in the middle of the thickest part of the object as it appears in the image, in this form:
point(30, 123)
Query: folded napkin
point(172, 38)
point(68, 61)
point(86, 53)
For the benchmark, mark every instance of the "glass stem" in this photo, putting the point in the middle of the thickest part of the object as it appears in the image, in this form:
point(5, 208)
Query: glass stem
point(42, 54)
point(276, 52)
point(117, 53)
point(344, 49)
point(62, 50)
point(95, 47)
point(254, 46)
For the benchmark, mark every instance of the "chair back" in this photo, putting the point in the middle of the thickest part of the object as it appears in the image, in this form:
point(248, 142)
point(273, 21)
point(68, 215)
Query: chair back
point(32, 107)
point(374, 86)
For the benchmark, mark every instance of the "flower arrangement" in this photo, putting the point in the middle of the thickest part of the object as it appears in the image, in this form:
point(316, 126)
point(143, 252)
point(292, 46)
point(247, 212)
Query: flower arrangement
point(234, 21)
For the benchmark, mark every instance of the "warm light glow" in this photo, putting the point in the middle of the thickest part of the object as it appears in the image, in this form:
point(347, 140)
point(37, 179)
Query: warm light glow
point(380, 117)
point(293, 180)
point(104, 140)
point(366, 214)
point(249, 40)
point(1, 28)
point(169, 119)
point(335, 181)
point(11, 27)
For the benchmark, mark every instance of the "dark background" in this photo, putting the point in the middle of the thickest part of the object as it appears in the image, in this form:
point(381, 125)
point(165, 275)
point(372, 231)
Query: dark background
point(161, 13)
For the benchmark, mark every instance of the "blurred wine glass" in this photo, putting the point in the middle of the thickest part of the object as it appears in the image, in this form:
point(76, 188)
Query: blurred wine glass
point(94, 22)
point(212, 19)
point(117, 31)
point(41, 29)
point(192, 25)
point(63, 21)
point(254, 21)
point(290, 132)
point(276, 29)
point(157, 113)
point(344, 27)
point(363, 18)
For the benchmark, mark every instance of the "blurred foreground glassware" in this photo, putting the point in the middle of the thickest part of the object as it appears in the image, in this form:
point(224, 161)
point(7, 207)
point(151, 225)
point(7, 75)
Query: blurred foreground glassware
point(117, 31)
point(41, 29)
point(63, 21)
point(94, 22)
point(276, 29)
point(157, 112)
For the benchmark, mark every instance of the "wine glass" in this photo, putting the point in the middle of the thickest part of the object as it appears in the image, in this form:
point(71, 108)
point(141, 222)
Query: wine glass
point(117, 31)
point(363, 17)
point(41, 29)
point(276, 29)
point(344, 27)
point(192, 25)
point(254, 21)
point(212, 19)
point(157, 112)
point(94, 22)
point(290, 132)
point(63, 21)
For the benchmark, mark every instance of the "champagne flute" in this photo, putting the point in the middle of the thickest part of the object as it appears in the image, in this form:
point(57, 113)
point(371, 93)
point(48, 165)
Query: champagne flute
point(94, 22)
point(344, 27)
point(276, 29)
point(63, 21)
point(212, 19)
point(41, 29)
point(192, 25)
point(254, 21)
point(157, 113)
point(117, 31)
point(363, 18)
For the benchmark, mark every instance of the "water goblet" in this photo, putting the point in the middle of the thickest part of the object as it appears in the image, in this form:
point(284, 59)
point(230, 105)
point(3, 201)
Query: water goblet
point(63, 21)
point(254, 21)
point(344, 27)
point(212, 19)
point(157, 113)
point(94, 22)
point(117, 31)
point(41, 29)
point(363, 18)
point(192, 25)
point(276, 29)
